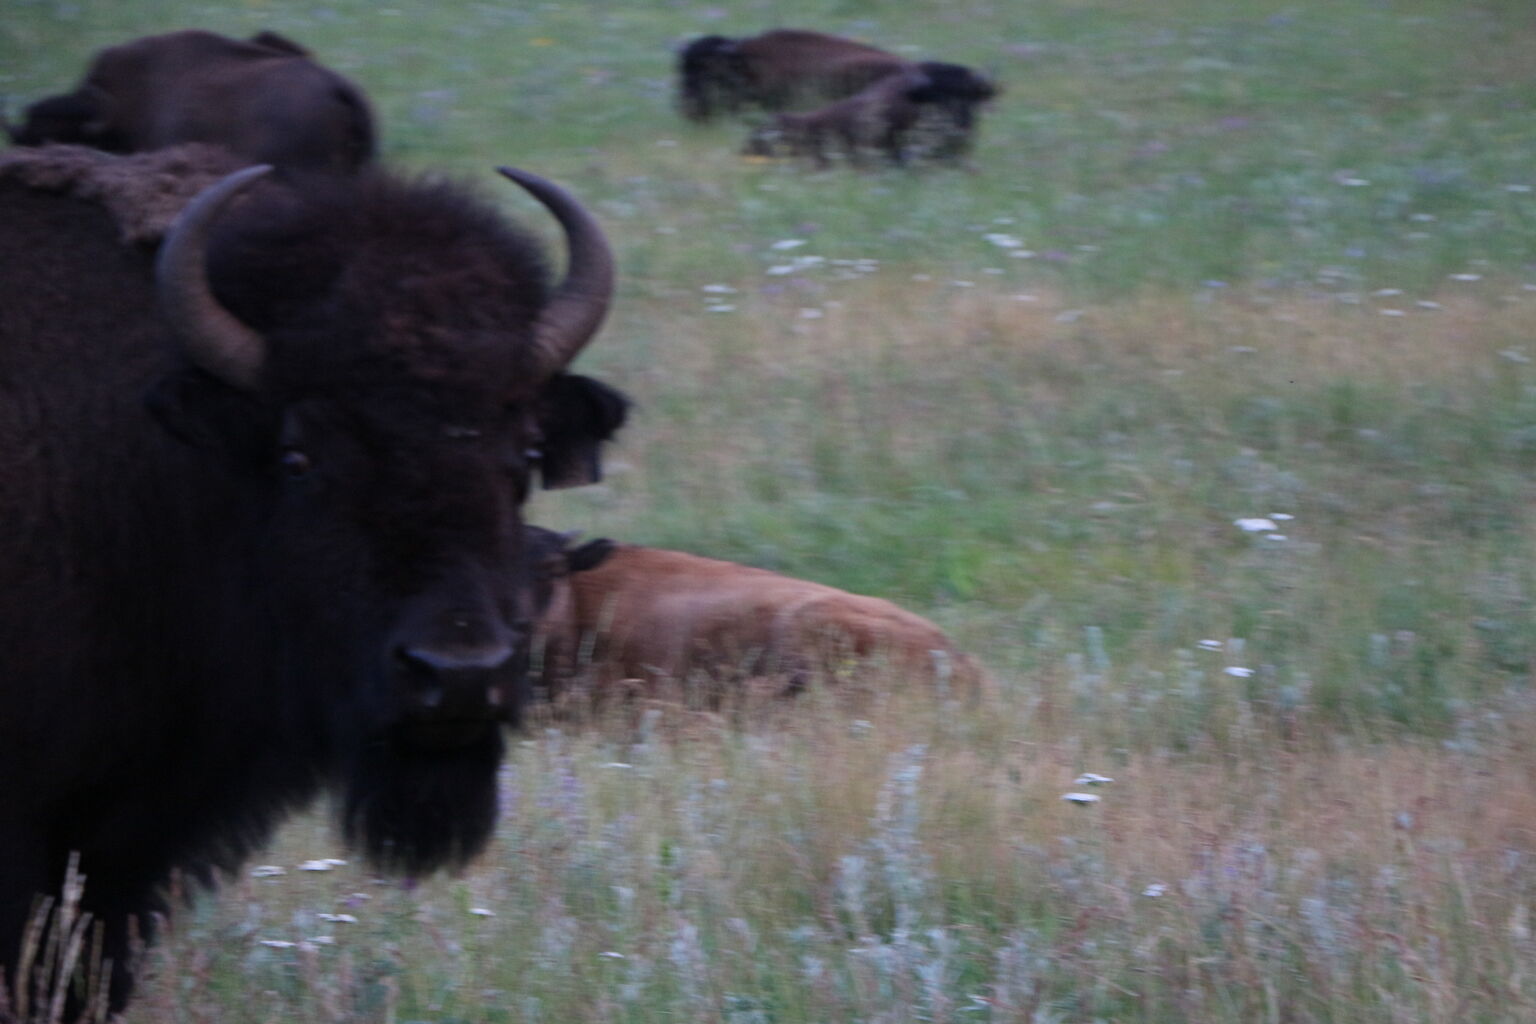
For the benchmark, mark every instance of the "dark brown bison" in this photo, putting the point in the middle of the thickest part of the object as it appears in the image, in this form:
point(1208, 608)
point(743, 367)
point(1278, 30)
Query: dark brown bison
point(777, 70)
point(787, 69)
point(264, 98)
point(261, 497)
point(877, 119)
point(619, 612)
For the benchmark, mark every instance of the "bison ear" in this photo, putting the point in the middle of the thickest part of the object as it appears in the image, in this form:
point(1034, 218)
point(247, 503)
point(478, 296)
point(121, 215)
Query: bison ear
point(203, 412)
point(578, 414)
point(589, 555)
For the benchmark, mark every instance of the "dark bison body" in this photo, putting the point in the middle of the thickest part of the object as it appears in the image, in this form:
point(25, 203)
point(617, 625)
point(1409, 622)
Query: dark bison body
point(777, 70)
point(621, 615)
point(877, 119)
point(262, 516)
point(264, 98)
point(787, 69)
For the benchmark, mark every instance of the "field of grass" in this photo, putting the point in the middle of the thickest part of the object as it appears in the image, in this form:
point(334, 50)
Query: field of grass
point(1216, 260)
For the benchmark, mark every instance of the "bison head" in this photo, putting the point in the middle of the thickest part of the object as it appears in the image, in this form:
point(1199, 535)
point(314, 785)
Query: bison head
point(379, 368)
point(553, 558)
point(954, 87)
point(82, 118)
point(711, 76)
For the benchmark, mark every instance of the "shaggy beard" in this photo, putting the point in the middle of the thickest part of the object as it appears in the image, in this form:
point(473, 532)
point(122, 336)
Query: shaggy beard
point(412, 810)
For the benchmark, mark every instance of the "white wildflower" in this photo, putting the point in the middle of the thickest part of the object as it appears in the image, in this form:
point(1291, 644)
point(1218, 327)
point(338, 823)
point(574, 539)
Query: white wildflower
point(1082, 799)
point(611, 955)
point(618, 764)
point(1209, 645)
point(1465, 277)
point(1391, 312)
point(1003, 241)
point(718, 289)
point(1281, 517)
point(1428, 304)
point(268, 871)
point(1238, 671)
point(322, 940)
point(722, 307)
point(1092, 779)
point(1254, 525)
point(318, 865)
point(1154, 890)
point(338, 918)
point(482, 911)
point(1385, 292)
point(787, 243)
point(278, 943)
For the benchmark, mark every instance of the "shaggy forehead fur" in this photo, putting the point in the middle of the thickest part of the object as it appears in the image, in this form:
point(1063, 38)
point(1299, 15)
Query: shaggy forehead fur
point(357, 281)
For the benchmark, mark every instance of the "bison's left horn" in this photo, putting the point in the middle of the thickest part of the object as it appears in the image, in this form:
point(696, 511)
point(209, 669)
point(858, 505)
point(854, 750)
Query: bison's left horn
point(211, 335)
point(580, 302)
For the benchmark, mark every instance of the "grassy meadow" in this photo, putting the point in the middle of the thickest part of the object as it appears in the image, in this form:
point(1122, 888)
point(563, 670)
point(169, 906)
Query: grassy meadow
point(1215, 260)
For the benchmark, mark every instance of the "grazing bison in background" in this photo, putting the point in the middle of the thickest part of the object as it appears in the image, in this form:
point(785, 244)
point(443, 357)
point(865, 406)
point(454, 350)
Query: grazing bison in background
point(777, 70)
point(620, 612)
point(786, 69)
point(264, 99)
point(261, 498)
point(879, 119)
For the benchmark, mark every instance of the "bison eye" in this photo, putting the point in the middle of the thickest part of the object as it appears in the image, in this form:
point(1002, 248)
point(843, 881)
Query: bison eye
point(294, 462)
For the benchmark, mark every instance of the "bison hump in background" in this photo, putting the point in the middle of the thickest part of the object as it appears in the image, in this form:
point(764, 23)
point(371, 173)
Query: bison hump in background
point(265, 99)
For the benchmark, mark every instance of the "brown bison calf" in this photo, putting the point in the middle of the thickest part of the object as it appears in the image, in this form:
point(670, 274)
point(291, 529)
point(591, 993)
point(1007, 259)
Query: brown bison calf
point(264, 99)
point(877, 119)
point(624, 612)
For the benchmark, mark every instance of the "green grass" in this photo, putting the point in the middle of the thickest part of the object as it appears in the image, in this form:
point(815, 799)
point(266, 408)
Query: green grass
point(1281, 259)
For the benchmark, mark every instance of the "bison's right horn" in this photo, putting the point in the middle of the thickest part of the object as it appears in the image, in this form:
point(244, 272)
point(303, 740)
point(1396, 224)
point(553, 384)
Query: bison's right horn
point(211, 335)
point(580, 302)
